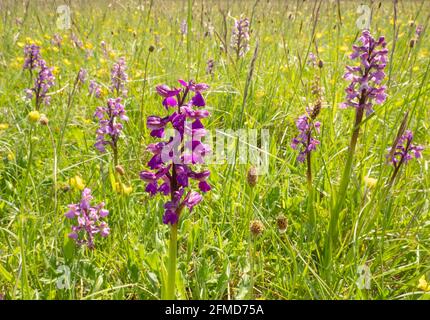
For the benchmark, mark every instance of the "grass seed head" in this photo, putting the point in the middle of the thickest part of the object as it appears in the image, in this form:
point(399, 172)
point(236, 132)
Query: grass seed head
point(282, 223)
point(252, 176)
point(256, 228)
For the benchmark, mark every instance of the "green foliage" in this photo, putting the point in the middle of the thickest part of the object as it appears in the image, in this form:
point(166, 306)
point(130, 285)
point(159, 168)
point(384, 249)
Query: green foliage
point(388, 233)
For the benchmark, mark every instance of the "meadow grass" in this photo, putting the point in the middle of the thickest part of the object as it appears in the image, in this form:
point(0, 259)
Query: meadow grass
point(386, 230)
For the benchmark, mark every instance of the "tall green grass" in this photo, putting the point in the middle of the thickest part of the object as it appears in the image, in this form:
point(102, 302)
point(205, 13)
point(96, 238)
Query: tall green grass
point(389, 232)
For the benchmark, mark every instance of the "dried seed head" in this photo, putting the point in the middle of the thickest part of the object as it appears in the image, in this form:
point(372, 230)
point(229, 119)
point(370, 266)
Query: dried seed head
point(315, 87)
point(65, 188)
point(43, 120)
point(412, 43)
point(320, 64)
point(315, 110)
point(252, 176)
point(282, 223)
point(120, 170)
point(256, 228)
point(151, 48)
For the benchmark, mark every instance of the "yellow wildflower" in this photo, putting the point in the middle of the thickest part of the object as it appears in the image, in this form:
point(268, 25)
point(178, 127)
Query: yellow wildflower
point(259, 94)
point(121, 188)
point(11, 156)
point(370, 182)
point(4, 126)
point(77, 182)
point(344, 48)
point(34, 116)
point(423, 284)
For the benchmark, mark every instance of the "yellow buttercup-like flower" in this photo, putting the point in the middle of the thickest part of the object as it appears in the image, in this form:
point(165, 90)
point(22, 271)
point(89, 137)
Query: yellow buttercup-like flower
point(423, 284)
point(121, 188)
point(259, 94)
point(11, 156)
point(77, 182)
point(34, 116)
point(4, 126)
point(127, 190)
point(370, 182)
point(344, 48)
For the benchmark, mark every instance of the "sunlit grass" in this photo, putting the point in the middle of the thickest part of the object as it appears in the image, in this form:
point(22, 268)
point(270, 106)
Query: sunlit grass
point(44, 168)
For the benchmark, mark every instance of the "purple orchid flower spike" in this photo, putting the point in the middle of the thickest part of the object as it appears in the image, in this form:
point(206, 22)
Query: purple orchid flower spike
point(110, 118)
point(304, 140)
point(42, 83)
point(32, 57)
point(89, 219)
point(365, 88)
point(171, 166)
point(402, 151)
point(119, 78)
point(240, 37)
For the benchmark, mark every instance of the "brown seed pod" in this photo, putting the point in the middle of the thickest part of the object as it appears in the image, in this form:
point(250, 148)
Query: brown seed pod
point(316, 110)
point(256, 228)
point(120, 170)
point(252, 176)
point(282, 223)
point(43, 120)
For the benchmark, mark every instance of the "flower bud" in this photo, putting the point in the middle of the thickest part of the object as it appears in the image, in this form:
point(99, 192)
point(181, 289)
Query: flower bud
point(256, 228)
point(252, 176)
point(412, 43)
point(43, 120)
point(282, 223)
point(151, 48)
point(320, 64)
point(120, 170)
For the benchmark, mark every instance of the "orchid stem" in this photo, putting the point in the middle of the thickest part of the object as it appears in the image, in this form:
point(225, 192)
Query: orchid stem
point(171, 272)
point(340, 197)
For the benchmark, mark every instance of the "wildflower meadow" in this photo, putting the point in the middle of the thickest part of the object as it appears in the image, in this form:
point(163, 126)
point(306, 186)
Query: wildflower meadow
point(202, 149)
